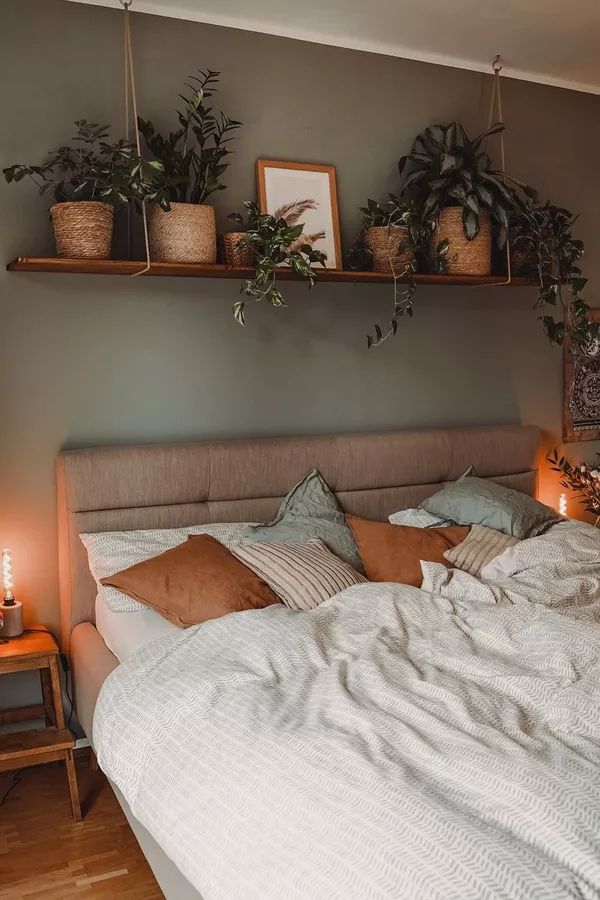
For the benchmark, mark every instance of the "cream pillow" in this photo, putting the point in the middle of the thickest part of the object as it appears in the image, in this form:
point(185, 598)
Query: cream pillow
point(478, 549)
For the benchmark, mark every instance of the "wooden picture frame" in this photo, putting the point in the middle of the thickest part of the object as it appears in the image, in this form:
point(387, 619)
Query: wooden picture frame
point(581, 424)
point(278, 190)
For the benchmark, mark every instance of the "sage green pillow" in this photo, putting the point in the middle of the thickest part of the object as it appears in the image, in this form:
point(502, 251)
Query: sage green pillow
point(310, 510)
point(477, 501)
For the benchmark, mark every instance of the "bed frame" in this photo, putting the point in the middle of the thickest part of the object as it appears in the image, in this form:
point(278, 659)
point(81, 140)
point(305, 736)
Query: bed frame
point(171, 485)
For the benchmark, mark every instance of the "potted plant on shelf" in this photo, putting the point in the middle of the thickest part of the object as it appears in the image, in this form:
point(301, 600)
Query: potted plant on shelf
point(273, 243)
point(193, 159)
point(584, 479)
point(542, 244)
point(461, 193)
point(88, 180)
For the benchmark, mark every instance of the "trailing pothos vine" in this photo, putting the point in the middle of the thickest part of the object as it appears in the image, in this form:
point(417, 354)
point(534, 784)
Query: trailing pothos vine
point(274, 242)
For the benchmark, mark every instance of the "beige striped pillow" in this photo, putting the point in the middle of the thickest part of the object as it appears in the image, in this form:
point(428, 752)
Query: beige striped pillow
point(302, 575)
point(480, 547)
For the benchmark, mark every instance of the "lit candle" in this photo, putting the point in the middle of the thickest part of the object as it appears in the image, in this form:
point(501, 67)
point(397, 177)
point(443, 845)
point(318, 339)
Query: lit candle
point(7, 577)
point(562, 504)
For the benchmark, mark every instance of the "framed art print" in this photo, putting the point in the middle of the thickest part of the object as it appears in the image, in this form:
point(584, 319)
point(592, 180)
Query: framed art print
point(581, 410)
point(303, 193)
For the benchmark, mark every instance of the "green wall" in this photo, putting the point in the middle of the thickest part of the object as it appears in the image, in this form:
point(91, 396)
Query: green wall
point(94, 360)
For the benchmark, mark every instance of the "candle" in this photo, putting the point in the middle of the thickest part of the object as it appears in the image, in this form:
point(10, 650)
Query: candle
point(562, 504)
point(7, 577)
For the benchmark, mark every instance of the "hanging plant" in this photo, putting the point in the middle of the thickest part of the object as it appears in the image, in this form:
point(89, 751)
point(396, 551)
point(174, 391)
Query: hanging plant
point(542, 244)
point(274, 242)
point(193, 160)
point(395, 238)
point(87, 180)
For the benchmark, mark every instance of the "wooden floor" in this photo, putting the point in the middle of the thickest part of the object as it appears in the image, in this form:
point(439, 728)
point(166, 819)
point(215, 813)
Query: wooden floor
point(45, 854)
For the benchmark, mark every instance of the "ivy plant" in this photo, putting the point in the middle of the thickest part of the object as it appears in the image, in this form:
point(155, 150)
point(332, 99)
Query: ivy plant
point(542, 240)
point(446, 167)
point(195, 156)
point(274, 242)
point(92, 168)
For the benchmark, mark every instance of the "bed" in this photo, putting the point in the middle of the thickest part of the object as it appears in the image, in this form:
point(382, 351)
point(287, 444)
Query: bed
point(120, 488)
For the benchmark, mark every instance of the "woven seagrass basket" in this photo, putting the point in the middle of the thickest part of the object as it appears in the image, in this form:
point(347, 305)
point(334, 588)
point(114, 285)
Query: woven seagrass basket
point(464, 257)
point(383, 242)
point(83, 229)
point(234, 255)
point(186, 234)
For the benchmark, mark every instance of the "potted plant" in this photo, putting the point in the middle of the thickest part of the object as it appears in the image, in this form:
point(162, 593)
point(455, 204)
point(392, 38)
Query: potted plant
point(584, 479)
point(542, 244)
point(388, 234)
point(273, 243)
point(88, 180)
point(193, 158)
point(461, 192)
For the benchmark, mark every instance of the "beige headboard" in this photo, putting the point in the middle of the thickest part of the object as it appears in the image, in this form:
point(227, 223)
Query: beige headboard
point(170, 485)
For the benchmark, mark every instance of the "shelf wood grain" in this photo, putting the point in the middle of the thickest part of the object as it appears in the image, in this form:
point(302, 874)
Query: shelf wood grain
point(193, 270)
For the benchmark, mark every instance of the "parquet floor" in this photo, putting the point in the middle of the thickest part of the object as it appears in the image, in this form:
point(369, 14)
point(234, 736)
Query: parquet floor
point(45, 855)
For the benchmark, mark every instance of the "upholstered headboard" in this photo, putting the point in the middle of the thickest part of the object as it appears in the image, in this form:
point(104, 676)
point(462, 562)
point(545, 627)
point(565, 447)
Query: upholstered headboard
point(170, 485)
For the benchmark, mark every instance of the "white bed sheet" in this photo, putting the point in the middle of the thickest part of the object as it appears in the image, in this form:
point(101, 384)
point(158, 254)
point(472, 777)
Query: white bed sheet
point(125, 632)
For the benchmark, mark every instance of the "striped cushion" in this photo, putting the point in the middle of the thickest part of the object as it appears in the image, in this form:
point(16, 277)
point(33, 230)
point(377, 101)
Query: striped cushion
point(480, 547)
point(302, 575)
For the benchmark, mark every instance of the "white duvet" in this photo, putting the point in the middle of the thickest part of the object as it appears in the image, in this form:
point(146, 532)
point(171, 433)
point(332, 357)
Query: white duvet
point(393, 743)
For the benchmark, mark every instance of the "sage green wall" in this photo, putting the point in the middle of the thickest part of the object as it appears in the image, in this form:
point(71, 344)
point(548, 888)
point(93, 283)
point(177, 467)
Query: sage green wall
point(88, 360)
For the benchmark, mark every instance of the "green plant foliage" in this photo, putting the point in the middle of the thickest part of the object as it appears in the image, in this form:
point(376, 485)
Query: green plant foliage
point(274, 242)
point(194, 157)
point(542, 241)
point(447, 168)
point(584, 479)
point(92, 169)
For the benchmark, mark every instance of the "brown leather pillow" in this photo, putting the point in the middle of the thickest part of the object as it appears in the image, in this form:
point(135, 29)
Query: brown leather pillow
point(393, 552)
point(195, 581)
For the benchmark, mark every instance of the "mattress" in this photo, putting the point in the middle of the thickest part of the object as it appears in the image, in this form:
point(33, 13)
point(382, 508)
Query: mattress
point(125, 632)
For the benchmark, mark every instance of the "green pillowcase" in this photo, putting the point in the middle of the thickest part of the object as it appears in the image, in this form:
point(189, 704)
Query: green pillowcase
point(310, 510)
point(477, 501)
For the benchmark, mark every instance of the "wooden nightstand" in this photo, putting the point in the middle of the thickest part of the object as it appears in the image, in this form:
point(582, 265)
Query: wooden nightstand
point(37, 650)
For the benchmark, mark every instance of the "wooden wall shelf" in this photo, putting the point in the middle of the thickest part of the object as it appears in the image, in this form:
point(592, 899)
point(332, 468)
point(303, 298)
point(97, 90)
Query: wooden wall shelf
point(191, 270)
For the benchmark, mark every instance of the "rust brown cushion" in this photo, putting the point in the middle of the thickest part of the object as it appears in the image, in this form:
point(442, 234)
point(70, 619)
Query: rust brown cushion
point(394, 552)
point(195, 581)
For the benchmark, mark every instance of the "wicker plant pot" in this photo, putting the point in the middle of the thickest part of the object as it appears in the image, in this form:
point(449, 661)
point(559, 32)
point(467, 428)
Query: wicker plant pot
point(237, 256)
point(186, 234)
point(83, 229)
point(383, 242)
point(464, 257)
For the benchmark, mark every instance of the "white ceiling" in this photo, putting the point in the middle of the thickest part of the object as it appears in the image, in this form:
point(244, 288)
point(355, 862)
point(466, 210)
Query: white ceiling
point(548, 41)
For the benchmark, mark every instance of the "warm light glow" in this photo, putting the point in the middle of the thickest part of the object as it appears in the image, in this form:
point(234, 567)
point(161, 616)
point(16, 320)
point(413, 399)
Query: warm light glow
point(7, 574)
point(562, 504)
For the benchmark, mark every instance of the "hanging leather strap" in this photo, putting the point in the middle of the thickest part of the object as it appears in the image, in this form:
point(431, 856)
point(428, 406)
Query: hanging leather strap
point(130, 92)
point(496, 102)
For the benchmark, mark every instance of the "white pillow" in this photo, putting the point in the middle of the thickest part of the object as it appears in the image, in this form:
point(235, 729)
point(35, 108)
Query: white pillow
point(112, 551)
point(418, 518)
point(502, 566)
point(302, 575)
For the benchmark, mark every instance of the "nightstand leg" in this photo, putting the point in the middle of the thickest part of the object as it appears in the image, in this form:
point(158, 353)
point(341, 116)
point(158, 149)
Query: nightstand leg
point(47, 696)
point(73, 789)
point(56, 693)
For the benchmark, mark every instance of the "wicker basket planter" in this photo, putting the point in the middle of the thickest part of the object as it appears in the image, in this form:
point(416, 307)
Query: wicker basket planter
point(186, 234)
point(83, 229)
point(383, 242)
point(464, 257)
point(237, 256)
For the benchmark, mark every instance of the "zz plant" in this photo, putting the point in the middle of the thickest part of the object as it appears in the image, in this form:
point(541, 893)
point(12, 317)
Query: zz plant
point(274, 242)
point(446, 167)
point(194, 157)
point(92, 168)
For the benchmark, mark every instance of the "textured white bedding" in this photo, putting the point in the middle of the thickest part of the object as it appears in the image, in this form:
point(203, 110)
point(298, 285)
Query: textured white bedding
point(125, 632)
point(432, 744)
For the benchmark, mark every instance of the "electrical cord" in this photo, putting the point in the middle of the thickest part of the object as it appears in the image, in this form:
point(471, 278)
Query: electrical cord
point(16, 780)
point(64, 661)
